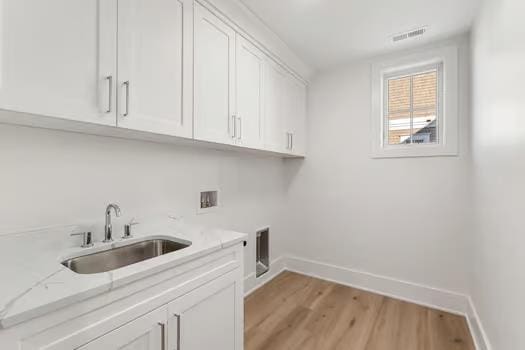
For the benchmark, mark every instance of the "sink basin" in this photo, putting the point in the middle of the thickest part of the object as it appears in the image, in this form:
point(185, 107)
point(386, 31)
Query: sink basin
point(115, 258)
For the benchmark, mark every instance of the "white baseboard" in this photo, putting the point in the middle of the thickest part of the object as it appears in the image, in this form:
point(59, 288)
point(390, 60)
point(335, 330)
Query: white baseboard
point(435, 298)
point(476, 328)
point(391, 287)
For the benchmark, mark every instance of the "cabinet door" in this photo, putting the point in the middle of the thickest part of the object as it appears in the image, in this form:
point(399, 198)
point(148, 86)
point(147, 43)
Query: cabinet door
point(58, 58)
point(150, 66)
point(276, 137)
point(250, 64)
point(214, 73)
point(144, 333)
point(296, 116)
point(210, 317)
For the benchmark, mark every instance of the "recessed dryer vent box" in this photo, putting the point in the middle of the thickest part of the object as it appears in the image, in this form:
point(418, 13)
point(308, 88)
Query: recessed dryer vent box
point(262, 263)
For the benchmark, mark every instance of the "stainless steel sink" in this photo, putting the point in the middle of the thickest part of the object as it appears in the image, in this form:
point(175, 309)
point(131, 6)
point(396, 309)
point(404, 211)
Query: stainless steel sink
point(115, 258)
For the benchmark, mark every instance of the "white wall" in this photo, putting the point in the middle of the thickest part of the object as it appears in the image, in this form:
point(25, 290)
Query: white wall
point(498, 172)
point(400, 218)
point(55, 178)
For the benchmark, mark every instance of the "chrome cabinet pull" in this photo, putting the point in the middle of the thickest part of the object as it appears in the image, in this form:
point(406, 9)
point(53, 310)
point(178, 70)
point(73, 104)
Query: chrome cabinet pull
point(234, 122)
point(178, 331)
point(291, 141)
point(240, 128)
point(110, 84)
point(163, 335)
point(126, 85)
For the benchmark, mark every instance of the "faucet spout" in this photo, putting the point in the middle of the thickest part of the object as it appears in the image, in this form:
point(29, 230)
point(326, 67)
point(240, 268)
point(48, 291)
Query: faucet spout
point(108, 230)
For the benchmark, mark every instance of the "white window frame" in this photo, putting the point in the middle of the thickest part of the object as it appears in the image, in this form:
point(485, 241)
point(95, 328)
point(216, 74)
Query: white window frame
point(446, 59)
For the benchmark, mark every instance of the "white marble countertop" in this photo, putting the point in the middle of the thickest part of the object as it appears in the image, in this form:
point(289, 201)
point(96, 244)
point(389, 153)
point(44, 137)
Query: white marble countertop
point(34, 282)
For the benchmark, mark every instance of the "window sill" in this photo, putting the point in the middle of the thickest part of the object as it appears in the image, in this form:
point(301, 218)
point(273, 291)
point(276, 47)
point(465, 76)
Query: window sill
point(414, 151)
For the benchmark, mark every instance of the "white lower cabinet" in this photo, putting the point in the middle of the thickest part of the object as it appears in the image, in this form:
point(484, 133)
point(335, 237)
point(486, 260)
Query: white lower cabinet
point(209, 317)
point(147, 332)
point(195, 306)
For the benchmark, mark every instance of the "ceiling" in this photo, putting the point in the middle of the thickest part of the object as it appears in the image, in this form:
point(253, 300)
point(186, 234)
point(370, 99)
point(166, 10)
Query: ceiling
point(328, 32)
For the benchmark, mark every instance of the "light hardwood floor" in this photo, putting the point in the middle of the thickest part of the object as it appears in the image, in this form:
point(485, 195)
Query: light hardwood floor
point(299, 312)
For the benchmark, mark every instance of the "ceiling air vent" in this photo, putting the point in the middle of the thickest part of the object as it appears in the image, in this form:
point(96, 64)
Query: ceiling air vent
point(409, 35)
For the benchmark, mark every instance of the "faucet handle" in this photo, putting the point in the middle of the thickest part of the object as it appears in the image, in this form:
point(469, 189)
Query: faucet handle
point(132, 222)
point(87, 239)
point(127, 228)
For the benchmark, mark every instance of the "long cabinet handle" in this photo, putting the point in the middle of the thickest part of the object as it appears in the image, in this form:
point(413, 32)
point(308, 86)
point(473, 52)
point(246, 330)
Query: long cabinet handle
point(163, 335)
point(178, 331)
point(126, 85)
point(291, 141)
point(110, 93)
point(234, 126)
point(240, 128)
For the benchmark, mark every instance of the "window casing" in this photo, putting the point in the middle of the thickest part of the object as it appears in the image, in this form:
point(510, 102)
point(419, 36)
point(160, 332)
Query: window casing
point(415, 105)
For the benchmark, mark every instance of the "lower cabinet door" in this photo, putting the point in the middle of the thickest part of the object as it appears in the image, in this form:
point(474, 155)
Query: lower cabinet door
point(147, 332)
point(209, 317)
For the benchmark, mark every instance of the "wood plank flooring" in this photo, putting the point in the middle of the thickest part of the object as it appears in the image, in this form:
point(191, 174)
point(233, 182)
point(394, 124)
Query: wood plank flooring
point(299, 312)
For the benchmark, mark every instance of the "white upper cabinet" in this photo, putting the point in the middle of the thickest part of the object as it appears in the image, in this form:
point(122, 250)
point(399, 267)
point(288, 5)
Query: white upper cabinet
point(284, 111)
point(214, 78)
point(296, 116)
point(250, 71)
point(275, 123)
point(169, 67)
point(57, 58)
point(150, 67)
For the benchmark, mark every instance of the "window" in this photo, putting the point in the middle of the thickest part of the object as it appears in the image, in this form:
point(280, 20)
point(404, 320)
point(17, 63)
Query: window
point(414, 105)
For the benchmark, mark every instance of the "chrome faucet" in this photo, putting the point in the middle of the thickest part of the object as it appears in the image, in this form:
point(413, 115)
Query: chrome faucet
point(108, 230)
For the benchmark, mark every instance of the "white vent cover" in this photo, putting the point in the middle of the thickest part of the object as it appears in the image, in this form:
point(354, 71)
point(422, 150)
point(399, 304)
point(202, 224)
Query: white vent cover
point(409, 35)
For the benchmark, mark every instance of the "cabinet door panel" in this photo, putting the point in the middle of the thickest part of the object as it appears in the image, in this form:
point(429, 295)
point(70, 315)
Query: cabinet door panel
point(144, 333)
point(275, 93)
point(296, 115)
point(213, 78)
point(56, 56)
point(150, 63)
point(209, 317)
point(250, 63)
